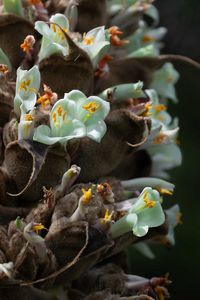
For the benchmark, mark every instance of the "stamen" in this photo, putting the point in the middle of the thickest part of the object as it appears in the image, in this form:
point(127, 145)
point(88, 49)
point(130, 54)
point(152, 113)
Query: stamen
point(148, 39)
point(164, 191)
point(160, 107)
point(28, 43)
point(107, 218)
point(25, 85)
point(159, 139)
point(28, 117)
point(87, 196)
point(148, 203)
point(88, 40)
point(37, 227)
point(91, 107)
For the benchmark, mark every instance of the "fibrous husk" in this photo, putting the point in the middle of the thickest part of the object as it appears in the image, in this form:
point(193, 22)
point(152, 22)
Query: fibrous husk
point(31, 166)
point(13, 30)
point(98, 160)
point(64, 74)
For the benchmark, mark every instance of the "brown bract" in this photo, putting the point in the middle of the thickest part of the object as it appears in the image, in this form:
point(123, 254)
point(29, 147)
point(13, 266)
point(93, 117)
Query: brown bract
point(31, 166)
point(64, 74)
point(102, 159)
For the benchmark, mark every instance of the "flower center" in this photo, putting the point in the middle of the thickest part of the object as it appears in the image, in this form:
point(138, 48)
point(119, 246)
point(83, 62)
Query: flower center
point(148, 203)
point(160, 107)
point(88, 40)
point(107, 218)
point(59, 31)
point(91, 107)
point(25, 85)
point(28, 117)
point(37, 227)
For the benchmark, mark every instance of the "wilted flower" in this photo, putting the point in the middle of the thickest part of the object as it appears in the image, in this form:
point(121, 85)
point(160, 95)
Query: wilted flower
point(145, 213)
point(27, 86)
point(164, 80)
point(75, 116)
point(53, 40)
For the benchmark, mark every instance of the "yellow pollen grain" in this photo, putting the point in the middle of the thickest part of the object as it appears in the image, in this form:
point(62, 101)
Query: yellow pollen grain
point(148, 203)
point(88, 40)
point(164, 191)
point(91, 107)
point(160, 107)
point(87, 195)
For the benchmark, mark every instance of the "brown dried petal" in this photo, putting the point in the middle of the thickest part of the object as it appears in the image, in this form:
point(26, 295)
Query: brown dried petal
point(64, 74)
point(13, 30)
point(101, 159)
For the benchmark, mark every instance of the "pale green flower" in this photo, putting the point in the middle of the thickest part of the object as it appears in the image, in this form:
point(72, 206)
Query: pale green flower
point(144, 214)
point(26, 126)
point(164, 157)
point(124, 91)
point(53, 40)
point(13, 7)
point(95, 43)
point(27, 86)
point(157, 111)
point(164, 80)
point(149, 50)
point(75, 116)
point(144, 37)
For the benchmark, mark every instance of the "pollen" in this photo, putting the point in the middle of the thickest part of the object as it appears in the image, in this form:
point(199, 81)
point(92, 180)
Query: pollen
point(164, 191)
point(87, 195)
point(37, 227)
point(107, 218)
point(28, 43)
point(88, 40)
point(147, 39)
point(160, 107)
point(59, 111)
point(25, 85)
point(148, 203)
point(28, 117)
point(91, 107)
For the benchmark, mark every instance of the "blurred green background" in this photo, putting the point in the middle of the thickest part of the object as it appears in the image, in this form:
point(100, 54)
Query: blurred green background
point(182, 18)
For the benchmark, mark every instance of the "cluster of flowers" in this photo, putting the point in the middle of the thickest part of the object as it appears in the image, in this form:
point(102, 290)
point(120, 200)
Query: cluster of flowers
point(47, 117)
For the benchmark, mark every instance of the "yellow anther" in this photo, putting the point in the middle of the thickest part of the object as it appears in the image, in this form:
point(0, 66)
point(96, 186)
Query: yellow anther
point(37, 227)
point(148, 203)
point(25, 85)
point(178, 218)
point(160, 107)
point(28, 117)
point(64, 115)
point(107, 218)
point(88, 40)
point(87, 195)
point(91, 107)
point(159, 139)
point(59, 111)
point(164, 191)
point(148, 39)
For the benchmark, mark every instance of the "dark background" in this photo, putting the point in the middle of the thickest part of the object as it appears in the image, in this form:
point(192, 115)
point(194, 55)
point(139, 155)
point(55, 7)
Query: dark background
point(182, 18)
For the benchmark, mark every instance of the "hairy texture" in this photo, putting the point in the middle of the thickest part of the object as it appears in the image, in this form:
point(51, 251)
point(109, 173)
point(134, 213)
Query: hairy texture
point(98, 160)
